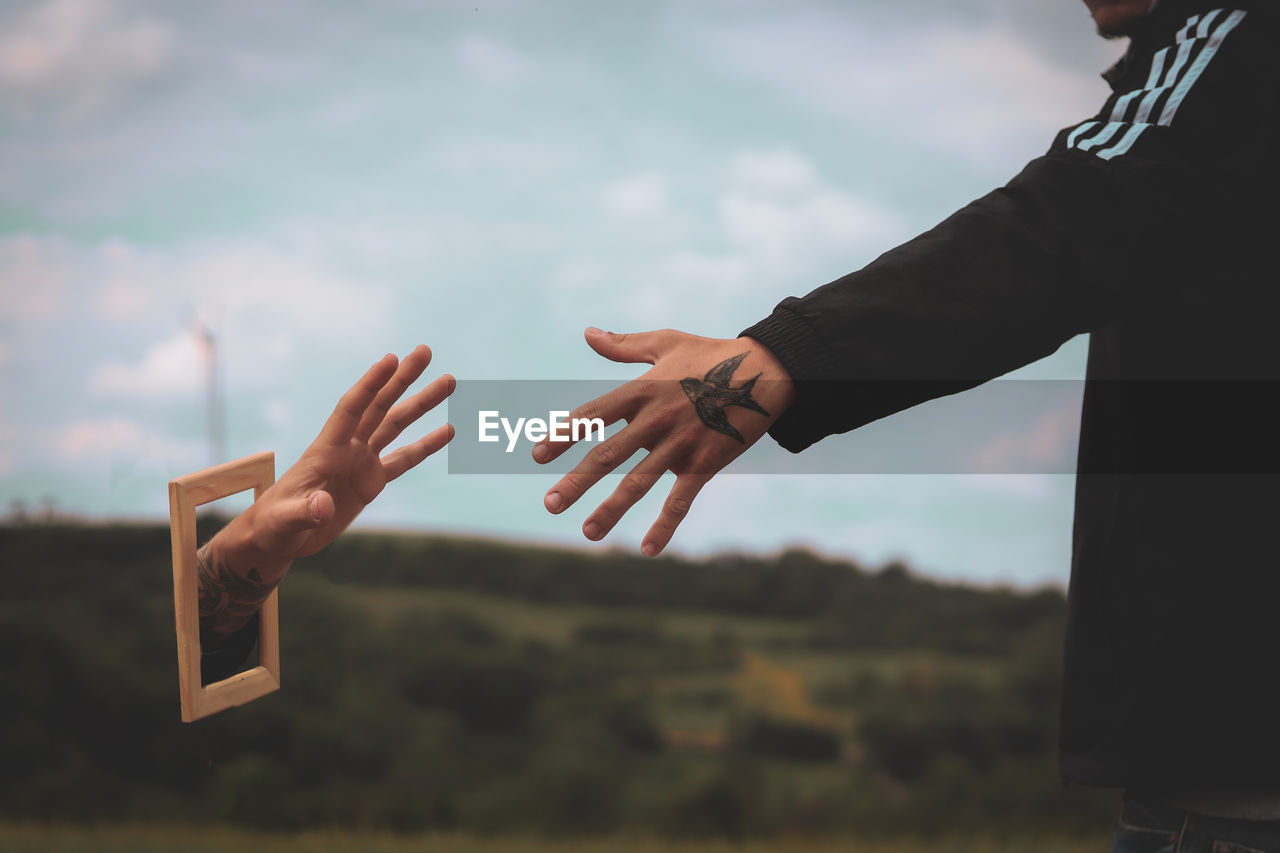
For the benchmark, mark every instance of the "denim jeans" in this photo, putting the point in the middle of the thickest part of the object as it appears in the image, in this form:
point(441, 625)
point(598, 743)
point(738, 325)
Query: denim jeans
point(1146, 827)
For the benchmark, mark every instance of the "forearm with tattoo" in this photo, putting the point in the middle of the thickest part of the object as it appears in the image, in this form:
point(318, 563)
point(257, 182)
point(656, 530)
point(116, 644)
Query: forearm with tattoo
point(712, 394)
point(228, 599)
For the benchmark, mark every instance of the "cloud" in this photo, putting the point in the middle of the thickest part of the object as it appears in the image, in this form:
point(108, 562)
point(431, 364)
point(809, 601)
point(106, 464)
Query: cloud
point(120, 341)
point(578, 278)
point(483, 154)
point(119, 373)
point(981, 93)
point(491, 60)
point(267, 286)
point(713, 272)
point(123, 293)
point(279, 414)
point(88, 438)
point(35, 273)
point(776, 172)
point(121, 443)
point(1025, 486)
point(176, 365)
point(641, 196)
point(258, 284)
point(1049, 442)
point(778, 209)
point(774, 220)
point(77, 56)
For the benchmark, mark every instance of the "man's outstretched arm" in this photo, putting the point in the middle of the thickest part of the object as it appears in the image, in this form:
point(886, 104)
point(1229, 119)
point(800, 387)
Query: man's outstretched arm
point(307, 508)
point(1094, 233)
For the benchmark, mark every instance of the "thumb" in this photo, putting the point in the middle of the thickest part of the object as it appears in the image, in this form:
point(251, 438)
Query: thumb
point(301, 514)
point(635, 347)
point(319, 508)
point(283, 526)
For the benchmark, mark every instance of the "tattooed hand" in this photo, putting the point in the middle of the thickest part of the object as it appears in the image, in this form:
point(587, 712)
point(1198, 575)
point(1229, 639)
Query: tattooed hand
point(705, 401)
point(337, 477)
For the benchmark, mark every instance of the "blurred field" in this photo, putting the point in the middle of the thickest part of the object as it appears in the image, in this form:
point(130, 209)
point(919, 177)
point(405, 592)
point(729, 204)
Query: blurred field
point(491, 691)
point(699, 701)
point(27, 838)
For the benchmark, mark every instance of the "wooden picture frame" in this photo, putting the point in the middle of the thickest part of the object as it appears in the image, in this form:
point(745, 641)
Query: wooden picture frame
point(185, 494)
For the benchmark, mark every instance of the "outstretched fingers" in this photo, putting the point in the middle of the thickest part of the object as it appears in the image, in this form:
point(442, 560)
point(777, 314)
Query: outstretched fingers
point(407, 413)
point(341, 425)
point(634, 485)
point(403, 459)
point(601, 460)
point(411, 367)
point(673, 512)
point(609, 408)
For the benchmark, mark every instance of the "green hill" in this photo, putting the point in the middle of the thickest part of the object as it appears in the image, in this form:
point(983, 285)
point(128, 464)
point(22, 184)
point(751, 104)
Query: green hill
point(435, 682)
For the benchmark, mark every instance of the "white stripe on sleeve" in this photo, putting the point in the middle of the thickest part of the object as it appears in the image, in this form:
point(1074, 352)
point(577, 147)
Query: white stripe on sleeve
point(1080, 131)
point(1157, 66)
point(1197, 68)
point(1179, 62)
point(1103, 136)
point(1125, 143)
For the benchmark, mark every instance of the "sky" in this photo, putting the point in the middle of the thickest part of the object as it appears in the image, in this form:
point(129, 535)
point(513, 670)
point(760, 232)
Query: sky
point(320, 183)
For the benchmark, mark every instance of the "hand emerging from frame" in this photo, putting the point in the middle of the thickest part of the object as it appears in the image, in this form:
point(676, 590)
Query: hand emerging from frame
point(322, 493)
point(704, 402)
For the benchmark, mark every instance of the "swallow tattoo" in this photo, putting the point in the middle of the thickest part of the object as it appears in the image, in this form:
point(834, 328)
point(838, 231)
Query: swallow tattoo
point(712, 394)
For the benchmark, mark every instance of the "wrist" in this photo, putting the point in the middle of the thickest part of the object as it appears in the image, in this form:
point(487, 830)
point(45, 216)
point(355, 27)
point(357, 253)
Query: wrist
point(241, 547)
point(775, 384)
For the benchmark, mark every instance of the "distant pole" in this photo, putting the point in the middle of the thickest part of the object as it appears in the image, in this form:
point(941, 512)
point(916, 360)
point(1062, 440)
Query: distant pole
point(217, 432)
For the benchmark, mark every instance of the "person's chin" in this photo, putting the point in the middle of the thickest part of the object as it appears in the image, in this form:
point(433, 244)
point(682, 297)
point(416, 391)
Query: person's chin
point(1119, 20)
point(1115, 26)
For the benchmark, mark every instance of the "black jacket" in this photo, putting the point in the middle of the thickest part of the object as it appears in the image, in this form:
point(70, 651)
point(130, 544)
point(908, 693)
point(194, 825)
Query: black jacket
point(1152, 227)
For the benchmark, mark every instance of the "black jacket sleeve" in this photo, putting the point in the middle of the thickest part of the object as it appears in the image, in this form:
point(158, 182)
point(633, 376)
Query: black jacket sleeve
point(1127, 218)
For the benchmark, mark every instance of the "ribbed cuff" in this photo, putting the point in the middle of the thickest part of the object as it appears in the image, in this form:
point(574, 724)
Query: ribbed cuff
point(795, 344)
